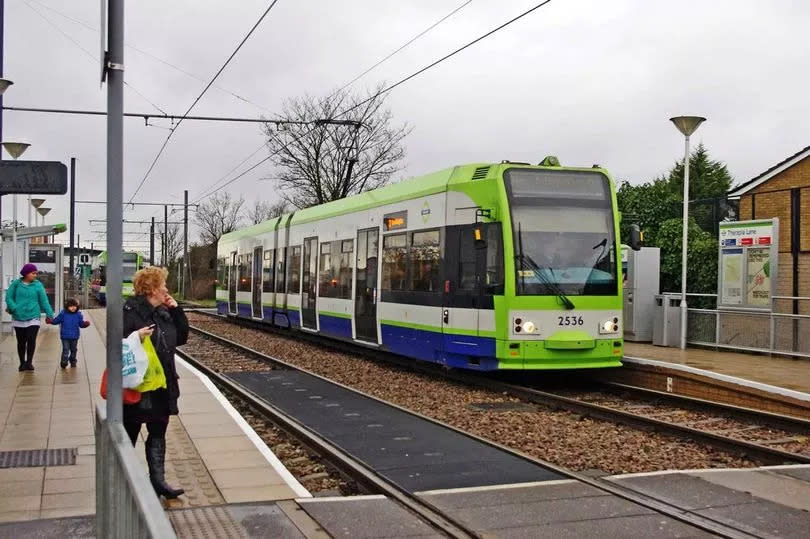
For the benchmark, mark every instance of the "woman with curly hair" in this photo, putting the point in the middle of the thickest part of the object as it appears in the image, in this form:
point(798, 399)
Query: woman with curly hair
point(154, 313)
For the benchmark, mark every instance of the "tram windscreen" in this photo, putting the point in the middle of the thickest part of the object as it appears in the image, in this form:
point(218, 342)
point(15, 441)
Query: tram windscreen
point(562, 222)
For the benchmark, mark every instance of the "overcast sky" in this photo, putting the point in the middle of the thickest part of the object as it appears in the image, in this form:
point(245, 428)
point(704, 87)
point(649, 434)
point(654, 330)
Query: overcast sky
point(590, 81)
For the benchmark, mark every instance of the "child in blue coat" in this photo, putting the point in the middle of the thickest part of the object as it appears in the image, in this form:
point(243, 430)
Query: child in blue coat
point(71, 320)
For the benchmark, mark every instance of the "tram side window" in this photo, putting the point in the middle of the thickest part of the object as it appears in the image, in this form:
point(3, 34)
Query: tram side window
point(345, 269)
point(222, 268)
point(245, 273)
point(466, 260)
point(326, 278)
point(424, 261)
point(395, 262)
point(280, 270)
point(493, 283)
point(294, 271)
point(267, 271)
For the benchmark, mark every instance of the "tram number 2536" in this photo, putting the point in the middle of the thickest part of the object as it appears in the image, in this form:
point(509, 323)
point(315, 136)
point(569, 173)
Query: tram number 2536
point(570, 320)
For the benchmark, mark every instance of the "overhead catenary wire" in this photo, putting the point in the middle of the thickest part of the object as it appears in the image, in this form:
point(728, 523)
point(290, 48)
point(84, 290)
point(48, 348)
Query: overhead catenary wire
point(197, 100)
point(154, 57)
point(388, 89)
point(93, 56)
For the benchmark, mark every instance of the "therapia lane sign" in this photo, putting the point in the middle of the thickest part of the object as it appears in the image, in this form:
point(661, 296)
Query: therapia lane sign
point(749, 252)
point(33, 178)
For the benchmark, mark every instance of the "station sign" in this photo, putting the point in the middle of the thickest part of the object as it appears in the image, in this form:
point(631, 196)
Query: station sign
point(747, 265)
point(33, 178)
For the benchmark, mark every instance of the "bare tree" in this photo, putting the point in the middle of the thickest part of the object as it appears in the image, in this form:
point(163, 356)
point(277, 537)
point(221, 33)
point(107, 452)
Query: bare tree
point(218, 215)
point(263, 210)
point(174, 244)
point(320, 161)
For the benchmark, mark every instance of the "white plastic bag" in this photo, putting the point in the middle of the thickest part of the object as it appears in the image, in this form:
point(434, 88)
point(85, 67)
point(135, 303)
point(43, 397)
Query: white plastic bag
point(134, 361)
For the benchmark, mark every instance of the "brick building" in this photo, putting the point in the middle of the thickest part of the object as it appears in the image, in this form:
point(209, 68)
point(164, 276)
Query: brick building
point(783, 191)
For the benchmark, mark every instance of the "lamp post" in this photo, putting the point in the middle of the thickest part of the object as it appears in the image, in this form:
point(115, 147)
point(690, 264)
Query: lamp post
point(36, 203)
point(43, 212)
point(15, 149)
point(686, 125)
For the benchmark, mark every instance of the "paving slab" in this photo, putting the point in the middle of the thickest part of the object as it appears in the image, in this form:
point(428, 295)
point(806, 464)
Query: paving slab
point(365, 517)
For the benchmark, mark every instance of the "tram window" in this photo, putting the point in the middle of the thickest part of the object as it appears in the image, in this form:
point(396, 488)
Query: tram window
point(395, 262)
point(424, 261)
point(245, 273)
point(466, 261)
point(222, 268)
point(294, 271)
point(280, 270)
point(267, 271)
point(327, 280)
point(345, 269)
point(494, 277)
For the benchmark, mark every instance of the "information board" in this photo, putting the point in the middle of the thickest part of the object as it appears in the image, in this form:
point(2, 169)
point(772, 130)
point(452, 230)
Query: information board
point(747, 263)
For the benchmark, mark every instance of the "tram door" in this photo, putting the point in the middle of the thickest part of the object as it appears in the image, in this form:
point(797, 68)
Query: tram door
point(232, 277)
point(257, 282)
point(365, 300)
point(309, 284)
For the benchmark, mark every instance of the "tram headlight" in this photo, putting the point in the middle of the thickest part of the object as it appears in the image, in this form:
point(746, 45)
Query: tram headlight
point(529, 327)
point(609, 326)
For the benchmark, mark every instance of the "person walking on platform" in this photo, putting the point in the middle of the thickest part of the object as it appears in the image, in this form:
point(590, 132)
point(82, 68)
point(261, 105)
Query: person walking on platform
point(154, 313)
point(71, 320)
point(25, 302)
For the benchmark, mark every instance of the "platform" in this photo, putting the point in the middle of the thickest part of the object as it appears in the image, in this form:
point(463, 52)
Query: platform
point(777, 371)
point(211, 452)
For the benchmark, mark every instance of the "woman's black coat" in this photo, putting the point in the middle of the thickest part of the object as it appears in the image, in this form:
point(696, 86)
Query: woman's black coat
point(171, 331)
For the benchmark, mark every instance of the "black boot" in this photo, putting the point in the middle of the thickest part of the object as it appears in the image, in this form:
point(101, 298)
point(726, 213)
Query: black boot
point(155, 459)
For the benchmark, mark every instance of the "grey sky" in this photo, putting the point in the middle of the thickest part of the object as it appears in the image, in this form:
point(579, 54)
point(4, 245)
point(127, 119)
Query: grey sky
point(591, 81)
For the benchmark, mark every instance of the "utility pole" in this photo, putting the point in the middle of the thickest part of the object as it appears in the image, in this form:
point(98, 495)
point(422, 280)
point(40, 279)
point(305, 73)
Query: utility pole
point(72, 212)
point(152, 243)
point(165, 235)
point(186, 265)
point(114, 67)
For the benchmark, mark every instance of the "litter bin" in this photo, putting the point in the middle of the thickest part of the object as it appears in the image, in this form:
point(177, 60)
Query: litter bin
point(667, 322)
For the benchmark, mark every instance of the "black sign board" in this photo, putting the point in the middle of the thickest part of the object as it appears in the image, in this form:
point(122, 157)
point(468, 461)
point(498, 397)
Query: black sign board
point(33, 178)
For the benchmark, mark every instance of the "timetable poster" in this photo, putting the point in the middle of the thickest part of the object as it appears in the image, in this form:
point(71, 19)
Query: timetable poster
point(732, 270)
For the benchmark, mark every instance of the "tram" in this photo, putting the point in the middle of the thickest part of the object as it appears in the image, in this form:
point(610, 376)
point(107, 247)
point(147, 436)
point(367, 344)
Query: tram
point(486, 266)
point(131, 262)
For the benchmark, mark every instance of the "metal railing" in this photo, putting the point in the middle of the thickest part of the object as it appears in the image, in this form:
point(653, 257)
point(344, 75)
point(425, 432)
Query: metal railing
point(126, 503)
point(771, 332)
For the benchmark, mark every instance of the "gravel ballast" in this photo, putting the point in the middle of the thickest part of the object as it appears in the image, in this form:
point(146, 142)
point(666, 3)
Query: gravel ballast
point(562, 438)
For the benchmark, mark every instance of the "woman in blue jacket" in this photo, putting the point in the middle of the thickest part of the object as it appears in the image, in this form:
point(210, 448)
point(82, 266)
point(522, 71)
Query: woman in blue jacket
point(25, 301)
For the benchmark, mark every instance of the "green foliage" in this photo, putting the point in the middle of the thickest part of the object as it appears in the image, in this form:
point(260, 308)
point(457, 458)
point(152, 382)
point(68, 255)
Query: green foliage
point(657, 207)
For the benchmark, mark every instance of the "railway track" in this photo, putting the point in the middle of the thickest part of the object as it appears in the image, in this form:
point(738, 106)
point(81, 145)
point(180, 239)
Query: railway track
point(767, 437)
point(373, 482)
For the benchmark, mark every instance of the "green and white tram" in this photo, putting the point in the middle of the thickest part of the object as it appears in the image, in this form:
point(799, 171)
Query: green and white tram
point(481, 266)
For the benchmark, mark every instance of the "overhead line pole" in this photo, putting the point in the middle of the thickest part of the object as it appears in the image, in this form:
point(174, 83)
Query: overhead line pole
point(186, 265)
point(152, 243)
point(72, 211)
point(115, 210)
point(165, 235)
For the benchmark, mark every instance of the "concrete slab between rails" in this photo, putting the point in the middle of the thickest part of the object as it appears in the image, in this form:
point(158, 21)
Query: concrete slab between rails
point(553, 509)
point(365, 517)
point(755, 501)
point(414, 453)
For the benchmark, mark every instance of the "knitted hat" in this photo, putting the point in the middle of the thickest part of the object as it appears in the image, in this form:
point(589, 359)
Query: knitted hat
point(28, 268)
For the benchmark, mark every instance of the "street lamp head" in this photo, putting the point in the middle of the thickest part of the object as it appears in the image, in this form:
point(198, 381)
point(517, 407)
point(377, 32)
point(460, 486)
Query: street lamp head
point(16, 149)
point(37, 202)
point(43, 211)
point(687, 124)
point(4, 84)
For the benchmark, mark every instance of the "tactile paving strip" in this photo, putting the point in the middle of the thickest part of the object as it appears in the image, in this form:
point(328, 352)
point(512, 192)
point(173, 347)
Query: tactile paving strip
point(205, 522)
point(186, 469)
point(27, 458)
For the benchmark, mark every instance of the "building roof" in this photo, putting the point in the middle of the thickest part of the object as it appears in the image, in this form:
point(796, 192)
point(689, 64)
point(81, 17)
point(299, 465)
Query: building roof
point(770, 173)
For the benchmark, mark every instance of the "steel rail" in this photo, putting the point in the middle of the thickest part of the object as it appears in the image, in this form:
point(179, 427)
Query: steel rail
point(726, 443)
point(683, 515)
point(786, 422)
